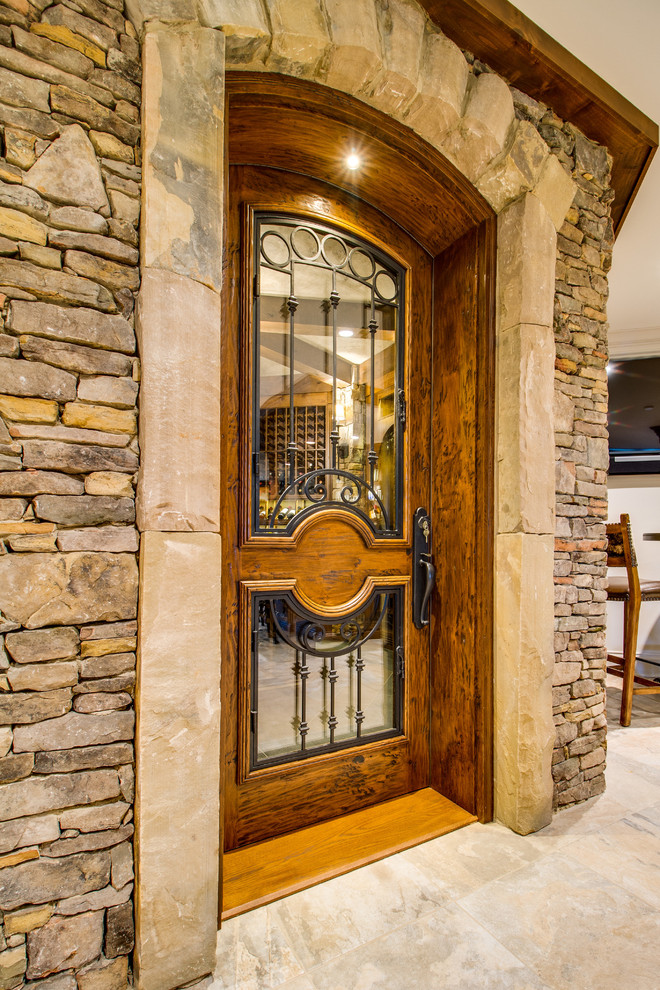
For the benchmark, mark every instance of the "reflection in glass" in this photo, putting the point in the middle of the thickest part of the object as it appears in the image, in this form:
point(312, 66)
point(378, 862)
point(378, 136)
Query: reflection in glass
point(322, 685)
point(328, 351)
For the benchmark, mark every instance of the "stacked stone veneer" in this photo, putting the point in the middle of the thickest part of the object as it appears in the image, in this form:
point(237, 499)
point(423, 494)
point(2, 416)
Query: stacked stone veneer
point(69, 209)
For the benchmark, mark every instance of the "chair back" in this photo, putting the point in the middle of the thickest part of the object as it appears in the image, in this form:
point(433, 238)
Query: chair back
point(620, 549)
point(621, 553)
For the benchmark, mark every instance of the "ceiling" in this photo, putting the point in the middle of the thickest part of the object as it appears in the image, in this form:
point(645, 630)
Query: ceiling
point(620, 42)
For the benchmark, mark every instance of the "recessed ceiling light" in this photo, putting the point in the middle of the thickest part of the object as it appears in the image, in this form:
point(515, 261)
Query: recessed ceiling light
point(345, 333)
point(353, 161)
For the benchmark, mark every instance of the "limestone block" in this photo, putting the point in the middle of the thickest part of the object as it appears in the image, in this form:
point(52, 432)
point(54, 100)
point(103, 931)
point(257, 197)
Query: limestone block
point(20, 922)
point(99, 34)
point(64, 943)
point(73, 357)
point(73, 731)
point(94, 901)
point(525, 430)
point(401, 25)
point(518, 171)
point(74, 218)
point(55, 286)
point(43, 644)
point(38, 794)
point(113, 539)
point(526, 254)
point(356, 54)
point(84, 510)
point(108, 483)
point(68, 171)
point(40, 589)
point(183, 109)
point(83, 758)
point(300, 37)
point(122, 865)
point(76, 326)
point(556, 190)
point(43, 677)
point(32, 706)
point(106, 974)
point(245, 27)
point(179, 487)
point(442, 83)
point(482, 132)
point(23, 199)
point(21, 227)
point(177, 747)
point(140, 12)
point(37, 482)
point(524, 661)
point(77, 458)
point(32, 378)
point(52, 53)
point(21, 91)
point(21, 832)
point(12, 966)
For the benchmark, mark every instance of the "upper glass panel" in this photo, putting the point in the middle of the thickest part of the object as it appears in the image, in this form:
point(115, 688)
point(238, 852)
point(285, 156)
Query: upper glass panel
point(328, 369)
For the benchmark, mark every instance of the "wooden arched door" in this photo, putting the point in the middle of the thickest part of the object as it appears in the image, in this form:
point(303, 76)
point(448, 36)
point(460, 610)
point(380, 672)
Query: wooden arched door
point(327, 395)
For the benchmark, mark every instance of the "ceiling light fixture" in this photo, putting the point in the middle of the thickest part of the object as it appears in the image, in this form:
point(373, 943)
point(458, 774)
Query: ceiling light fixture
point(353, 161)
point(345, 333)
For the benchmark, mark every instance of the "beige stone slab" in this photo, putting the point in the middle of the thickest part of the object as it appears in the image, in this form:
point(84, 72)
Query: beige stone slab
point(481, 134)
point(356, 54)
point(518, 170)
point(178, 758)
point(245, 27)
point(183, 109)
point(556, 190)
point(179, 486)
point(300, 37)
point(526, 253)
point(525, 434)
point(401, 26)
point(443, 79)
point(524, 659)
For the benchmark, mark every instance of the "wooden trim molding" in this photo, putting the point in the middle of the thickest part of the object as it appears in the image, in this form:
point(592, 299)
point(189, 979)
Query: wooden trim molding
point(514, 46)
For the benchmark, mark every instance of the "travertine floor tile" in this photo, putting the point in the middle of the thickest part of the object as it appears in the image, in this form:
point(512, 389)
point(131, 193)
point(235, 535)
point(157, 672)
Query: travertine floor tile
point(571, 925)
point(337, 916)
point(446, 949)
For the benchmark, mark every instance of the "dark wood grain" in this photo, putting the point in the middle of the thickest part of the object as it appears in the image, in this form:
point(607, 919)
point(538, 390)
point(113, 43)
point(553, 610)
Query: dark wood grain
point(511, 44)
point(462, 511)
point(332, 559)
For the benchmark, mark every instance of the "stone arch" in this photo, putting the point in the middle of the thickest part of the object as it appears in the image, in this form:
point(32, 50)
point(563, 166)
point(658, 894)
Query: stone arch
point(389, 55)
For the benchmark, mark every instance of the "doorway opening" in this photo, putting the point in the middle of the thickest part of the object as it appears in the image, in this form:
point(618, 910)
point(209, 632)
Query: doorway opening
point(358, 329)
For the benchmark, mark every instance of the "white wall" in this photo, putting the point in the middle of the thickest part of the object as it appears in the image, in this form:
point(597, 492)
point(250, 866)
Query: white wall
point(640, 498)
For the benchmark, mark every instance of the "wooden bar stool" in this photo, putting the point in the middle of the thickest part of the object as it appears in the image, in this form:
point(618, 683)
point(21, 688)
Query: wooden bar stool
point(632, 592)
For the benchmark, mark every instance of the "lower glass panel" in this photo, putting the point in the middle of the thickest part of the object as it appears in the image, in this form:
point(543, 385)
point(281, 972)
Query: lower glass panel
point(319, 684)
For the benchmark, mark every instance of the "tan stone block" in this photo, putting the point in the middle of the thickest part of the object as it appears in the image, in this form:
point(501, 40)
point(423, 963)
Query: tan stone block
point(21, 227)
point(108, 483)
point(556, 190)
point(483, 130)
point(526, 255)
point(356, 54)
point(13, 963)
point(124, 207)
point(43, 676)
point(183, 110)
point(140, 12)
point(44, 256)
point(65, 36)
point(68, 171)
point(179, 487)
point(442, 82)
point(524, 660)
point(401, 25)
point(518, 171)
point(109, 146)
point(87, 416)
point(300, 38)
point(525, 432)
point(244, 25)
point(27, 919)
point(21, 410)
point(103, 647)
point(177, 745)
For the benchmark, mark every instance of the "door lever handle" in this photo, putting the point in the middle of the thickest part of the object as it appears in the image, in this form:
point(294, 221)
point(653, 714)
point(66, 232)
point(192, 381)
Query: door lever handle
point(428, 588)
point(423, 568)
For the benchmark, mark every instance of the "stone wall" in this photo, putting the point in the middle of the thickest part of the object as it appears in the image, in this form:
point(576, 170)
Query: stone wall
point(584, 256)
point(69, 208)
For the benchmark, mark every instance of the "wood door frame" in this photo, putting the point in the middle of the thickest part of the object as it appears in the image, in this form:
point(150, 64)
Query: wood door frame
point(276, 121)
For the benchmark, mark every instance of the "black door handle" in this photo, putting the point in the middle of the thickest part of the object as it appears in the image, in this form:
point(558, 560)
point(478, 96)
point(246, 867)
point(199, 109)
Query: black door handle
point(423, 568)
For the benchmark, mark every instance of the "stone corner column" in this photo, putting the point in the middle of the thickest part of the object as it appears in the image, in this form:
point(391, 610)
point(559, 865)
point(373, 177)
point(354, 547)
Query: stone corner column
point(178, 758)
point(525, 500)
point(179, 661)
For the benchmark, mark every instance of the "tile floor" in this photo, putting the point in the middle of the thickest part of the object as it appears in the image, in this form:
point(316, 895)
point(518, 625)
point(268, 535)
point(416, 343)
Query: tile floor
point(576, 905)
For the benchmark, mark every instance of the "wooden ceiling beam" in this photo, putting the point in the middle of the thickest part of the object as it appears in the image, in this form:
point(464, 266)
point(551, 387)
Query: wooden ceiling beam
point(500, 35)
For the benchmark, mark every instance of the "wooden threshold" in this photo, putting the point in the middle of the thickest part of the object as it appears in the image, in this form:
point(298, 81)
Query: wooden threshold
point(266, 871)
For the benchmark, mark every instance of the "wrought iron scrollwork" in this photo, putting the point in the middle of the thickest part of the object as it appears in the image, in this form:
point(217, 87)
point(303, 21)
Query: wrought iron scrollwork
point(318, 492)
point(326, 637)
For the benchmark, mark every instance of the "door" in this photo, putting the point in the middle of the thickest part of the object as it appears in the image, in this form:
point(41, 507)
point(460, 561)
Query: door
point(326, 399)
